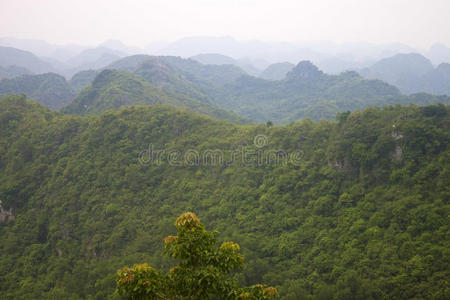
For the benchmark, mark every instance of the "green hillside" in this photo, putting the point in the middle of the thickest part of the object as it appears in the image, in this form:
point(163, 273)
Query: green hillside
point(207, 78)
point(50, 89)
point(355, 208)
point(160, 74)
point(184, 76)
point(112, 89)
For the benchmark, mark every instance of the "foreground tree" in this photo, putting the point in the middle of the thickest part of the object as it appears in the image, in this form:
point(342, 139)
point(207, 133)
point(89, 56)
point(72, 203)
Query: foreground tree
point(202, 271)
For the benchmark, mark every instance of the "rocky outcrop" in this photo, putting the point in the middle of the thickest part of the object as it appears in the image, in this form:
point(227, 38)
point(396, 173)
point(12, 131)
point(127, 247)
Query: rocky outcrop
point(304, 70)
point(397, 154)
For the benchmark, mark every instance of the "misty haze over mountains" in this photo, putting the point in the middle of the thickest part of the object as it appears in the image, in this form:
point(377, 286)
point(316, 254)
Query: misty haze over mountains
point(259, 53)
point(411, 70)
point(258, 81)
point(220, 86)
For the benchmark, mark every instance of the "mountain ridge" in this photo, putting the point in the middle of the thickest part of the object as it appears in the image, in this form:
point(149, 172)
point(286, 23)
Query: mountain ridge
point(112, 89)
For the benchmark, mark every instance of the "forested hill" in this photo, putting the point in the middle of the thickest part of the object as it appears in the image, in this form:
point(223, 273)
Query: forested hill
point(204, 79)
point(112, 89)
point(359, 210)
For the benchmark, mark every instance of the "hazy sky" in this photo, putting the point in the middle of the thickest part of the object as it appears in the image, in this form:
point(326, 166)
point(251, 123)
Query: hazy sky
point(138, 22)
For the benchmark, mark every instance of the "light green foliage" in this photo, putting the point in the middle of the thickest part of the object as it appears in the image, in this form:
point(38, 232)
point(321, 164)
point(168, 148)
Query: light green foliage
point(202, 270)
point(142, 282)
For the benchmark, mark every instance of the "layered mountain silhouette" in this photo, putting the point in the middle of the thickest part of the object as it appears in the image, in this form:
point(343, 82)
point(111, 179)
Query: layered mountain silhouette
point(219, 59)
point(277, 71)
point(49, 89)
point(305, 91)
point(12, 71)
point(15, 57)
point(411, 73)
point(82, 79)
point(289, 92)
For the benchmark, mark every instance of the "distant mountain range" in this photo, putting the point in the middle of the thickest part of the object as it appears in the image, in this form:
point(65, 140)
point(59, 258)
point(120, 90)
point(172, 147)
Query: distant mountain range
point(23, 59)
point(218, 85)
point(42, 48)
point(94, 58)
point(329, 56)
point(308, 92)
point(280, 51)
point(304, 92)
point(82, 79)
point(439, 53)
point(411, 73)
point(12, 71)
point(219, 59)
point(89, 58)
point(277, 71)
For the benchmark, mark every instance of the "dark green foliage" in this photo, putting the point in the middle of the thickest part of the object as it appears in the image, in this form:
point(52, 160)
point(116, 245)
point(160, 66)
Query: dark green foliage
point(361, 214)
point(50, 89)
